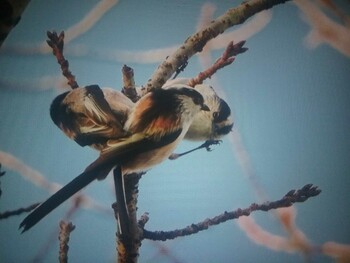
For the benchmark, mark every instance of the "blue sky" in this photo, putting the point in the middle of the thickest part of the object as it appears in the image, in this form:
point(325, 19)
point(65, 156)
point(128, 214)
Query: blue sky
point(290, 104)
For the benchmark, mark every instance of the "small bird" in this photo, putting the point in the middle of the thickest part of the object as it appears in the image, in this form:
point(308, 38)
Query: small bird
point(154, 127)
point(86, 118)
point(209, 126)
point(85, 115)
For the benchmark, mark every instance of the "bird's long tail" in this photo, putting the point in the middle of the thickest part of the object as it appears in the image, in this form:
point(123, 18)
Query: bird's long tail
point(122, 209)
point(61, 195)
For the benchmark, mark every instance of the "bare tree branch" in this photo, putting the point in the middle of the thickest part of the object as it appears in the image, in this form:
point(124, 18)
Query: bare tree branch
point(293, 196)
point(196, 42)
point(56, 42)
point(129, 88)
point(143, 220)
point(51, 240)
point(18, 211)
point(227, 58)
point(65, 230)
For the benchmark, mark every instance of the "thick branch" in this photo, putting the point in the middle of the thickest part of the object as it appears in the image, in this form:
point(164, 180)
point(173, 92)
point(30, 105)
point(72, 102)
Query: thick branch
point(293, 196)
point(56, 42)
point(196, 42)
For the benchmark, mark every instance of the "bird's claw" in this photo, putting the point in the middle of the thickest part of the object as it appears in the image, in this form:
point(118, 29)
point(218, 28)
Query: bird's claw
point(209, 143)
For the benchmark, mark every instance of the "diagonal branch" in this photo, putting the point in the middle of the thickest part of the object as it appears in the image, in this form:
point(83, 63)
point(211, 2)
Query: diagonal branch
point(293, 196)
point(196, 42)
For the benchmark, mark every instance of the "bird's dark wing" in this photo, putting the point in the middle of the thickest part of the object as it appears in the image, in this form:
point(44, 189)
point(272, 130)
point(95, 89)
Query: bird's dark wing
point(100, 123)
point(85, 116)
point(118, 153)
point(97, 107)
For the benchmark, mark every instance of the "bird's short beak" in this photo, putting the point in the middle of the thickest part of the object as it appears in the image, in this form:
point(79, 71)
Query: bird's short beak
point(205, 108)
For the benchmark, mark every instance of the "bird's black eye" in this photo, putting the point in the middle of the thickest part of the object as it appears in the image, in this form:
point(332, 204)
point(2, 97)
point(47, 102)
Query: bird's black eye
point(223, 113)
point(198, 100)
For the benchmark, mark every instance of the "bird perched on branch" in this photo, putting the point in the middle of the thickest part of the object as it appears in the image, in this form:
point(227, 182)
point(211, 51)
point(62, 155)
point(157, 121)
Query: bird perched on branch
point(208, 125)
point(90, 115)
point(87, 119)
point(155, 125)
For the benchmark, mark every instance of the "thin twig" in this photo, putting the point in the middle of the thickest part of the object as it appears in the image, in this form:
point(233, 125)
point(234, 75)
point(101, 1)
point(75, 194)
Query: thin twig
point(129, 83)
point(293, 196)
point(51, 240)
point(56, 42)
point(18, 211)
point(65, 230)
point(227, 58)
point(143, 220)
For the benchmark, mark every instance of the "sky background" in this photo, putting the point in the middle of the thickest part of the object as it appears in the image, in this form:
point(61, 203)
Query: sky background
point(290, 105)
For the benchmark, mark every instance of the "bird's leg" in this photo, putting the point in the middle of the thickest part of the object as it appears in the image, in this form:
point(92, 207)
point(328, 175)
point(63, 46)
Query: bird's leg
point(205, 145)
point(123, 215)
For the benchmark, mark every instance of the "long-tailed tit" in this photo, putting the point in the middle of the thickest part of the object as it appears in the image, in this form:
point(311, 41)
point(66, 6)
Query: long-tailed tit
point(91, 116)
point(88, 120)
point(207, 126)
point(156, 124)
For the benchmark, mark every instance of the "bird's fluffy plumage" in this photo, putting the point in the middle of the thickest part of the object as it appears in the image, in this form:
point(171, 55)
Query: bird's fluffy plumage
point(85, 116)
point(156, 124)
point(207, 125)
